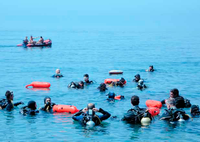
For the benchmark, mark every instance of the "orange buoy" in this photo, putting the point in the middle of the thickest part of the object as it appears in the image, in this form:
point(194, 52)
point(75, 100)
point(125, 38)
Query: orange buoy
point(119, 97)
point(153, 103)
point(154, 111)
point(65, 108)
point(109, 81)
point(39, 85)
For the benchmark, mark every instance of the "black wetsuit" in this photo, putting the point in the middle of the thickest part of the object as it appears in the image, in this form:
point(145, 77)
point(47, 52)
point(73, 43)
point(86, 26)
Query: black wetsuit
point(57, 75)
point(28, 111)
point(88, 82)
point(82, 117)
point(8, 105)
point(135, 115)
point(102, 87)
point(48, 107)
point(179, 102)
point(174, 115)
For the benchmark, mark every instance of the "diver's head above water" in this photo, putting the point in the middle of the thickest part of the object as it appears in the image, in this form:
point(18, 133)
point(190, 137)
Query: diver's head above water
point(174, 93)
point(9, 95)
point(47, 100)
point(86, 77)
point(135, 100)
point(32, 105)
point(57, 71)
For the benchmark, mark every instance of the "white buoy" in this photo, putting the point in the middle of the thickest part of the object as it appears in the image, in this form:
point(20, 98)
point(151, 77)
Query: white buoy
point(145, 121)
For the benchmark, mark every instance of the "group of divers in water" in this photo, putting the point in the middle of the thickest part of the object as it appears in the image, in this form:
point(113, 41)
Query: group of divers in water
point(89, 116)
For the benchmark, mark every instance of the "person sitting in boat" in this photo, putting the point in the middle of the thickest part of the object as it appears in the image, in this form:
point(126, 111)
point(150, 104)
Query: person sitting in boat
point(41, 40)
point(137, 78)
point(179, 100)
point(7, 103)
point(48, 105)
point(25, 41)
point(102, 87)
point(86, 79)
point(79, 85)
point(30, 109)
point(173, 113)
point(31, 40)
point(88, 116)
point(194, 110)
point(150, 69)
point(58, 74)
point(136, 114)
point(141, 85)
point(120, 83)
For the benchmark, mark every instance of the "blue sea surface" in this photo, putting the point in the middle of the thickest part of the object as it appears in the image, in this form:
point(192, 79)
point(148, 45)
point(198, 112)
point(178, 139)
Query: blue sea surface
point(175, 56)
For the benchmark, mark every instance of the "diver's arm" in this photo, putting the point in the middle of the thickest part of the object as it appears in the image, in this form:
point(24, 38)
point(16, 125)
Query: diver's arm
point(163, 101)
point(78, 116)
point(18, 103)
point(105, 115)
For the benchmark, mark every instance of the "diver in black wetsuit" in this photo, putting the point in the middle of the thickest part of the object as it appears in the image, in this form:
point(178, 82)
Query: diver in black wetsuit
point(79, 85)
point(120, 83)
point(102, 87)
point(87, 115)
point(58, 74)
point(86, 79)
point(30, 109)
point(7, 103)
point(137, 78)
point(150, 69)
point(179, 100)
point(136, 114)
point(141, 85)
point(194, 110)
point(173, 113)
point(48, 105)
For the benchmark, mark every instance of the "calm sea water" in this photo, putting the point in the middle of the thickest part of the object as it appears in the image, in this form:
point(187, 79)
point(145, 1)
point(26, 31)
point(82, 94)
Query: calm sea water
point(175, 56)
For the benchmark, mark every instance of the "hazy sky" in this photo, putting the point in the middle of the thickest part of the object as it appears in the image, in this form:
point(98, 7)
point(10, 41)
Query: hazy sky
point(65, 14)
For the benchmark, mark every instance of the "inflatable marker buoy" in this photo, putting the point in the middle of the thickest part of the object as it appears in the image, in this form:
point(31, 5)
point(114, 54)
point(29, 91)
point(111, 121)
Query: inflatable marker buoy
point(119, 97)
point(154, 111)
point(65, 108)
point(153, 103)
point(116, 72)
point(39, 85)
point(109, 81)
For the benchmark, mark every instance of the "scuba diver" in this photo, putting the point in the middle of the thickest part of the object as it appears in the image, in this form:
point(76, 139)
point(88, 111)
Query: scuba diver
point(112, 97)
point(79, 85)
point(30, 109)
point(137, 114)
point(86, 79)
point(173, 113)
point(48, 105)
point(120, 83)
point(58, 74)
point(179, 100)
point(137, 78)
point(88, 117)
point(141, 86)
point(7, 103)
point(150, 69)
point(102, 87)
point(194, 110)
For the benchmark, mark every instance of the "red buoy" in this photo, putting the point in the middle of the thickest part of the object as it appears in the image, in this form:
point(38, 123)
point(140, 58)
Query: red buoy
point(154, 111)
point(109, 81)
point(39, 85)
point(65, 108)
point(153, 103)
